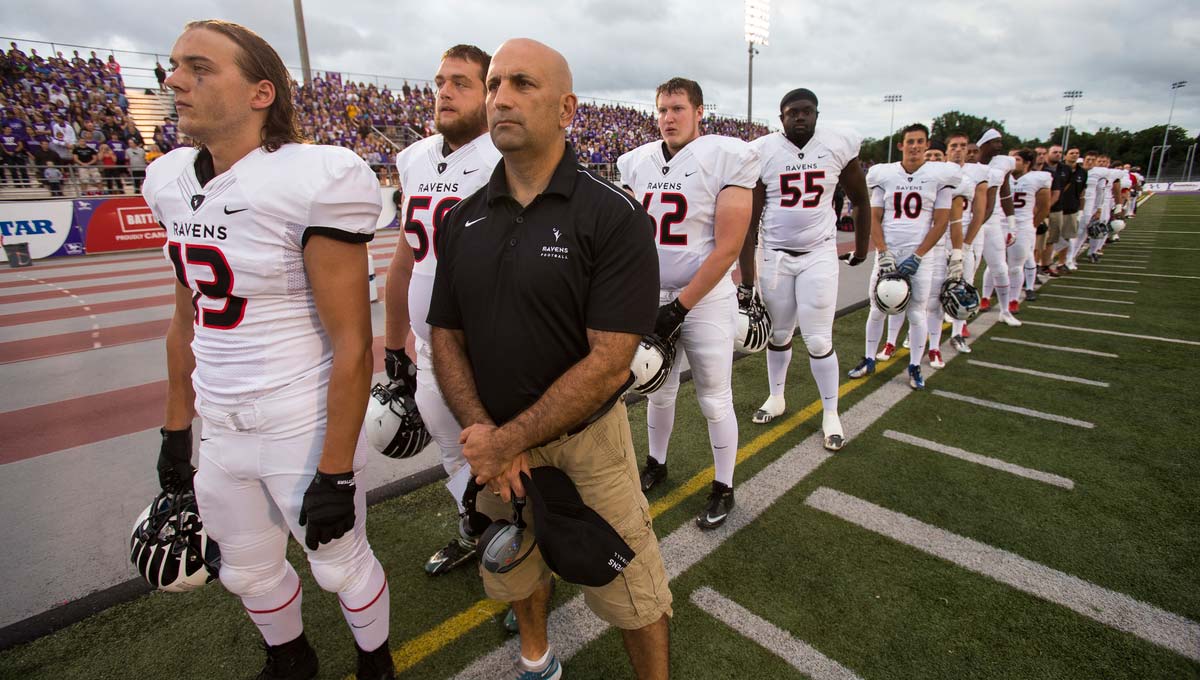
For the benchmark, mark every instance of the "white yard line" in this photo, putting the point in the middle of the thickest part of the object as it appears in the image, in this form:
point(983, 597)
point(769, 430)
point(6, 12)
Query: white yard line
point(1039, 374)
point(1113, 609)
point(1076, 311)
point(1109, 264)
point(1021, 410)
point(1084, 299)
point(1095, 288)
point(1113, 272)
point(986, 461)
point(1059, 348)
point(1073, 277)
point(1100, 331)
point(799, 654)
point(573, 626)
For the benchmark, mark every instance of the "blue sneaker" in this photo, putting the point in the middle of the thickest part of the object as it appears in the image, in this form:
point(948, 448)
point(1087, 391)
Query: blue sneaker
point(915, 380)
point(550, 670)
point(864, 368)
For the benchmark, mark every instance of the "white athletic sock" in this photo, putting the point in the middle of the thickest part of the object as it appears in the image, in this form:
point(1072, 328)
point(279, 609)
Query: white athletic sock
point(367, 610)
point(660, 420)
point(894, 323)
point(918, 333)
point(934, 327)
point(529, 663)
point(874, 332)
point(1030, 276)
point(777, 366)
point(277, 613)
point(724, 437)
point(826, 374)
point(1003, 288)
point(1094, 245)
point(989, 284)
point(956, 327)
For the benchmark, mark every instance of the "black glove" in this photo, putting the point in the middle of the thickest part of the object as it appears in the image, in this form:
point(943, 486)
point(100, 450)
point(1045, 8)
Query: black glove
point(670, 320)
point(400, 369)
point(175, 469)
point(853, 259)
point(745, 294)
point(328, 508)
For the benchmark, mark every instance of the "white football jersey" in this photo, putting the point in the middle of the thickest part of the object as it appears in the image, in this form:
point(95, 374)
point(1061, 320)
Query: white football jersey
point(798, 213)
point(972, 175)
point(999, 167)
point(433, 184)
point(681, 196)
point(238, 243)
point(909, 199)
point(1097, 183)
point(1025, 190)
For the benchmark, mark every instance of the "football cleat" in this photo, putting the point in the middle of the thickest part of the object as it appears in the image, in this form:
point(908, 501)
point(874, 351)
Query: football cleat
point(935, 359)
point(375, 665)
point(295, 660)
point(1031, 295)
point(886, 353)
point(1093, 258)
point(1009, 319)
point(1053, 272)
point(1014, 307)
point(717, 507)
point(915, 380)
point(1071, 266)
point(959, 343)
point(985, 304)
point(864, 368)
point(831, 427)
point(771, 409)
point(653, 473)
point(458, 551)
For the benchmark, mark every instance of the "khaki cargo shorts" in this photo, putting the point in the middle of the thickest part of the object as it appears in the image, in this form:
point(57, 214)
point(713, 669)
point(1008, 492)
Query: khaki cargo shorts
point(1070, 227)
point(1053, 234)
point(602, 463)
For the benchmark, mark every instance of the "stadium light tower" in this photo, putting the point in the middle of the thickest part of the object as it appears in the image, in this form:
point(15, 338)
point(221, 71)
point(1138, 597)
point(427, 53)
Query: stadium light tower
point(1072, 95)
point(758, 25)
point(303, 38)
point(891, 99)
point(1175, 87)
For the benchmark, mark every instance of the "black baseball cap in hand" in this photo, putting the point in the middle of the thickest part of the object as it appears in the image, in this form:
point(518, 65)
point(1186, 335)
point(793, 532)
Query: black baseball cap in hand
point(576, 542)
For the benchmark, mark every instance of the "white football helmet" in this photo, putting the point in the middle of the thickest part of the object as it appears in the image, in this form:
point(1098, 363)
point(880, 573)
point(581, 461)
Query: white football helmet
point(1117, 226)
point(892, 293)
point(753, 325)
point(169, 547)
point(651, 364)
point(394, 426)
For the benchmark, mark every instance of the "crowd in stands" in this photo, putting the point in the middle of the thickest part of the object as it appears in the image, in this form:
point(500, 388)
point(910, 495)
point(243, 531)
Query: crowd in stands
point(72, 111)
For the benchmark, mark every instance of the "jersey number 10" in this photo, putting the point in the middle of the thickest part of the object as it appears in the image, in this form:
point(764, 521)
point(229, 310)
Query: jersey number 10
point(906, 205)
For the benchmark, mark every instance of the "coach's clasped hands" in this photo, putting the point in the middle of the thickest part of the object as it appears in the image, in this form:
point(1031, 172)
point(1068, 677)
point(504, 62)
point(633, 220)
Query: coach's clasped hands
point(328, 508)
point(493, 460)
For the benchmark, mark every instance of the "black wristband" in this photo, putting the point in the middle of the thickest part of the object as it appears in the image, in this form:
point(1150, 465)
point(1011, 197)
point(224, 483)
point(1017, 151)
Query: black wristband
point(177, 444)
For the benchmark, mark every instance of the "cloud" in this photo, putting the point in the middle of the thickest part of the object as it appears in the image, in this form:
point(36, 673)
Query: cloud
point(1009, 61)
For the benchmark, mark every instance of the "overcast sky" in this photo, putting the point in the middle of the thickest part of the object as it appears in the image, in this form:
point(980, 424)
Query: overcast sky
point(1005, 60)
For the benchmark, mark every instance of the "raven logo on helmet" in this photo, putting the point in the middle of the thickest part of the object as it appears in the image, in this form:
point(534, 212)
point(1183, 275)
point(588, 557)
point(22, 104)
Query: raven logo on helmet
point(169, 547)
point(651, 364)
point(959, 299)
point(892, 293)
point(753, 323)
point(394, 426)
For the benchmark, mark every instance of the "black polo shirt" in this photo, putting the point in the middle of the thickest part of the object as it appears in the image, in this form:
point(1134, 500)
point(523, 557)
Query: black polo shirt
point(1061, 174)
point(525, 284)
point(1070, 201)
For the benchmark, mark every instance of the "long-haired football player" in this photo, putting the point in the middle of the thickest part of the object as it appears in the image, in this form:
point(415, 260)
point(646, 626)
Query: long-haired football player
point(270, 342)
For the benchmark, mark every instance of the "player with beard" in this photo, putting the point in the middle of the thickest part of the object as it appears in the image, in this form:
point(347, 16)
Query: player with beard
point(1031, 205)
point(435, 174)
point(798, 276)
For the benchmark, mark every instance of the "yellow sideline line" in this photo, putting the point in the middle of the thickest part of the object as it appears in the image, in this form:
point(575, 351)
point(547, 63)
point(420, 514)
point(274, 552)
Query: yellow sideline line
point(433, 640)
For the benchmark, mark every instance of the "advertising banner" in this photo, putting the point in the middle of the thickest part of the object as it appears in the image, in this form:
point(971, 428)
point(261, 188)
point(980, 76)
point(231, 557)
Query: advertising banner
point(44, 225)
point(115, 224)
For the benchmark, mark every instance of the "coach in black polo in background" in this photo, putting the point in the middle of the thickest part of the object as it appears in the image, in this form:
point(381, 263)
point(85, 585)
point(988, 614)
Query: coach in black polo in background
point(546, 280)
point(1061, 173)
point(1070, 200)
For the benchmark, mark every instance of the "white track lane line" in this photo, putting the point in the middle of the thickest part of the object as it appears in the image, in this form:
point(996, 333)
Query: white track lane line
point(1039, 374)
point(1020, 410)
point(1113, 609)
point(799, 654)
point(1059, 348)
point(986, 461)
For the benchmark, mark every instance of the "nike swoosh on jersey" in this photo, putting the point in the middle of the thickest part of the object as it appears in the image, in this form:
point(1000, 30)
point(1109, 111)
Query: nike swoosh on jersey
point(474, 221)
point(689, 174)
point(234, 212)
point(467, 172)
